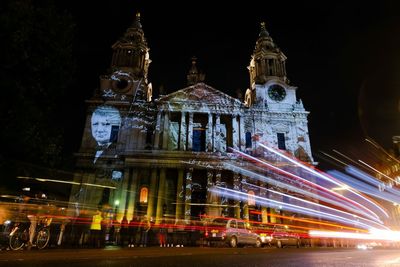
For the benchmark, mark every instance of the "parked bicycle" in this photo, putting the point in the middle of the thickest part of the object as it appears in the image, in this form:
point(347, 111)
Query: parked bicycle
point(19, 235)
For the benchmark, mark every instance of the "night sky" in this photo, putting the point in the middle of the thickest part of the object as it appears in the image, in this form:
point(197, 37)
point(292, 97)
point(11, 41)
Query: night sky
point(343, 57)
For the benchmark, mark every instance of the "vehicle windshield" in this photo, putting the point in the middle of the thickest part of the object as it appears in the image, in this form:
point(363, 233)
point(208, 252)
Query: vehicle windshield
point(218, 222)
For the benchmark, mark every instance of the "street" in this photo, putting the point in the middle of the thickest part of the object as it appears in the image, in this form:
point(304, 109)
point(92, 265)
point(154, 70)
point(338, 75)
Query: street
point(193, 257)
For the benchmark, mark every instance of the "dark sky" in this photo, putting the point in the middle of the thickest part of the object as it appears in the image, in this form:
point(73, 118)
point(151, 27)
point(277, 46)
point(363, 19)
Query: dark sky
point(344, 57)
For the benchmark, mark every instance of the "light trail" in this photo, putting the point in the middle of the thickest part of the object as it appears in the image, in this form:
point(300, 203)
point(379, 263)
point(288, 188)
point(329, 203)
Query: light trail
point(364, 187)
point(295, 208)
point(375, 170)
point(325, 177)
point(374, 234)
point(372, 214)
point(313, 204)
point(308, 221)
point(273, 182)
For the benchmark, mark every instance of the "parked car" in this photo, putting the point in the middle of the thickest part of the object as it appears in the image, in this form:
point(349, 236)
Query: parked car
point(282, 236)
point(232, 232)
point(264, 232)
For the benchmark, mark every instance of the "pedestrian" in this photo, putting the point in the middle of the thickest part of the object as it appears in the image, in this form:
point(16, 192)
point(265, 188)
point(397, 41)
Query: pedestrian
point(145, 226)
point(162, 233)
point(170, 235)
point(124, 231)
point(132, 232)
point(96, 230)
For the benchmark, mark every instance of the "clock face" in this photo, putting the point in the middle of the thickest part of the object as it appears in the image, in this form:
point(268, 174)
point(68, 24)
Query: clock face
point(276, 92)
point(121, 82)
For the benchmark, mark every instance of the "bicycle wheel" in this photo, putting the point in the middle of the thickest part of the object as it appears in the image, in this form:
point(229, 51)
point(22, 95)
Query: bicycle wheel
point(42, 238)
point(18, 238)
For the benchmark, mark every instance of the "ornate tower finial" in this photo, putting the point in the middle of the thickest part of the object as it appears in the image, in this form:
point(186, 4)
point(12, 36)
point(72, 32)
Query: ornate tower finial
point(136, 22)
point(267, 61)
point(263, 30)
point(194, 76)
point(131, 52)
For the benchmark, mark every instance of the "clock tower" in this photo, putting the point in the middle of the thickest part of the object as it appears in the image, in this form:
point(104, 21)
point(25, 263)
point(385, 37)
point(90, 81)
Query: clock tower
point(278, 118)
point(127, 77)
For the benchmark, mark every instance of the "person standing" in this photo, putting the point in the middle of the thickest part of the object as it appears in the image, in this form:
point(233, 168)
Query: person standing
point(144, 230)
point(124, 231)
point(133, 227)
point(95, 230)
point(162, 234)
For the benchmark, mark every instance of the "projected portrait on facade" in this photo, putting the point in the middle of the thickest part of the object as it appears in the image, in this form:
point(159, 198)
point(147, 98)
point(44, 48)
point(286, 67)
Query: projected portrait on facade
point(105, 122)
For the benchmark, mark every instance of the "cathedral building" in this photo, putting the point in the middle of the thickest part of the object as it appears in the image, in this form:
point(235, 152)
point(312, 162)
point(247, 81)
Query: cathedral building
point(161, 156)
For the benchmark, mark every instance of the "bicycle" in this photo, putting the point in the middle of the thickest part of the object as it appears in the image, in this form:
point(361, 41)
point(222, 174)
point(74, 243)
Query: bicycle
point(19, 235)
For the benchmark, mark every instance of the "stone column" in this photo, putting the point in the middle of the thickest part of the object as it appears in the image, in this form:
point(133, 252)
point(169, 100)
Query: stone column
point(284, 68)
point(263, 194)
point(217, 145)
point(152, 194)
point(132, 198)
point(210, 195)
point(157, 131)
point(274, 67)
point(182, 145)
point(180, 192)
point(165, 131)
point(235, 133)
point(242, 134)
point(263, 68)
point(209, 138)
point(188, 195)
point(245, 202)
point(218, 183)
point(161, 196)
point(236, 187)
point(125, 193)
point(190, 132)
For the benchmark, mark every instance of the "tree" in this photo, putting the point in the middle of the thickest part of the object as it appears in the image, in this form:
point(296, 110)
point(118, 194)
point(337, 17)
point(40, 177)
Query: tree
point(36, 71)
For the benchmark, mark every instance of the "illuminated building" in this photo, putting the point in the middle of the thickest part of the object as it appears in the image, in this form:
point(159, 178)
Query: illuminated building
point(161, 156)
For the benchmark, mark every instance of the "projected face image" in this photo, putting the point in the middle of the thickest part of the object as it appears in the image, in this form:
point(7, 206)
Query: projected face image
point(105, 124)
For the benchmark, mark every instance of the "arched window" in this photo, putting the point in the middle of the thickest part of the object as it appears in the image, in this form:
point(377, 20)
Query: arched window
point(251, 200)
point(144, 192)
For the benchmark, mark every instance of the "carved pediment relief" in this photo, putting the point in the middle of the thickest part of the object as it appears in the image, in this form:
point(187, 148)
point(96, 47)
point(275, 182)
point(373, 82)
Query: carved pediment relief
point(203, 93)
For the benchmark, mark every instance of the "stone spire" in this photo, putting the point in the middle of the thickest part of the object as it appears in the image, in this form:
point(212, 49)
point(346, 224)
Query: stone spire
point(194, 76)
point(267, 60)
point(130, 52)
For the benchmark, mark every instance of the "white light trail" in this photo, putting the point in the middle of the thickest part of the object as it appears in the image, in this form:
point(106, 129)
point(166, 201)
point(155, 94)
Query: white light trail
point(325, 177)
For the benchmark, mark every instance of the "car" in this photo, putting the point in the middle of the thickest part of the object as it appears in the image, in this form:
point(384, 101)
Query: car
point(233, 232)
point(282, 236)
point(264, 232)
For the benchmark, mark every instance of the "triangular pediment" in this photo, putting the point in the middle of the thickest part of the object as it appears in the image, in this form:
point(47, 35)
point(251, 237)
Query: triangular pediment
point(200, 92)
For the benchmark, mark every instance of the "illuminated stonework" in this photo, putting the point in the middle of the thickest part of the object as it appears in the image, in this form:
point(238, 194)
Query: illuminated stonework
point(175, 146)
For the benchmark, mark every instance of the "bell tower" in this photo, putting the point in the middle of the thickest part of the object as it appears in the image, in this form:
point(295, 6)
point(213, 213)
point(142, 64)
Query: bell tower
point(267, 60)
point(129, 67)
point(278, 118)
point(269, 86)
point(130, 52)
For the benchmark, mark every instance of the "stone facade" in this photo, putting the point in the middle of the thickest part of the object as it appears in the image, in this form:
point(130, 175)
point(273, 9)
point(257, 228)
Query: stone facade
point(164, 155)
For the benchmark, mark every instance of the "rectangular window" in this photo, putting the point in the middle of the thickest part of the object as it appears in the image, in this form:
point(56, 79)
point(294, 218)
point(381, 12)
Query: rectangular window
point(248, 140)
point(199, 140)
point(281, 141)
point(114, 133)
